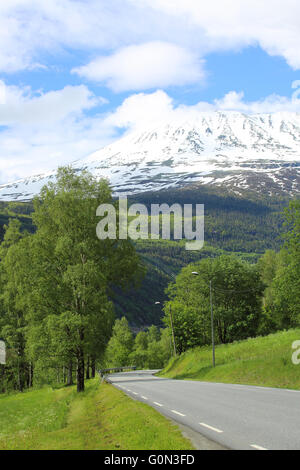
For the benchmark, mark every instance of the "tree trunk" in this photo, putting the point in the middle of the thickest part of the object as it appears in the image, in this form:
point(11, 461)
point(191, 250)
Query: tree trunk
point(21, 375)
point(20, 380)
point(70, 374)
point(93, 366)
point(2, 377)
point(30, 375)
point(80, 370)
point(87, 374)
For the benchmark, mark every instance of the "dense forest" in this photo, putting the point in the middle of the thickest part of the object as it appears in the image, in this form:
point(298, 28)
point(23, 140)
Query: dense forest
point(247, 225)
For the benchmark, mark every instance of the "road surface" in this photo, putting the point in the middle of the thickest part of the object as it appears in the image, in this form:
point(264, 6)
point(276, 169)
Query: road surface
point(240, 417)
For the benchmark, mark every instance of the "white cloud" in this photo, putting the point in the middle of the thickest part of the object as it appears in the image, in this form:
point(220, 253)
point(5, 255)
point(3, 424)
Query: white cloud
point(234, 101)
point(31, 28)
point(22, 107)
point(141, 110)
point(43, 132)
point(140, 67)
point(2, 92)
point(229, 24)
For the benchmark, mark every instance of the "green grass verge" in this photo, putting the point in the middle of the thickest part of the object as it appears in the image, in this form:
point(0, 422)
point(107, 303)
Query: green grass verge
point(101, 418)
point(264, 361)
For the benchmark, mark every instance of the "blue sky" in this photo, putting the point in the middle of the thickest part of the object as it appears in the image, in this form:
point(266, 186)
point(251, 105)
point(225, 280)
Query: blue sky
point(250, 70)
point(76, 74)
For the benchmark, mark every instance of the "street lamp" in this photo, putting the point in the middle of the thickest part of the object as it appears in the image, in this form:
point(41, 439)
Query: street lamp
point(212, 321)
point(172, 327)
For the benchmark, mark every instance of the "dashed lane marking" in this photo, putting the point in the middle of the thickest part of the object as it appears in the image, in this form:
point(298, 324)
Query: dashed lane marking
point(211, 427)
point(177, 413)
point(256, 447)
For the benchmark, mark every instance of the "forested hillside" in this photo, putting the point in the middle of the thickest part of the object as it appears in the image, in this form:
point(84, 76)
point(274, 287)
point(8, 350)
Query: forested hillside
point(15, 210)
point(246, 221)
point(247, 225)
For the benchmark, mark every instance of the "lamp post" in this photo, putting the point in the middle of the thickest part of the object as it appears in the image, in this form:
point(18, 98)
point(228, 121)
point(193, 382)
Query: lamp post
point(172, 327)
point(212, 321)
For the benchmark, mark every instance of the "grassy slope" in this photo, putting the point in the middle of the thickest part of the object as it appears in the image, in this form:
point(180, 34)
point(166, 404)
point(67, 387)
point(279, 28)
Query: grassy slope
point(101, 418)
point(265, 361)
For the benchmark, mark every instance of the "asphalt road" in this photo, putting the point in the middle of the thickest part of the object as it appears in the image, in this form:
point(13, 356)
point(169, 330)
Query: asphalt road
point(240, 417)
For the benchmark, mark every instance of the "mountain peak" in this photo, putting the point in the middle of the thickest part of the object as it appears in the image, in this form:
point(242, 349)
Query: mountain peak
point(259, 151)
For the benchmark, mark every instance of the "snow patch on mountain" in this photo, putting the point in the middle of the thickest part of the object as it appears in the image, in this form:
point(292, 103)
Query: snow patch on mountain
point(259, 152)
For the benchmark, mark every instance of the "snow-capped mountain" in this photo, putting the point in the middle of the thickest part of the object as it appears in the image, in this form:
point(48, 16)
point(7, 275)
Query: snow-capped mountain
point(260, 152)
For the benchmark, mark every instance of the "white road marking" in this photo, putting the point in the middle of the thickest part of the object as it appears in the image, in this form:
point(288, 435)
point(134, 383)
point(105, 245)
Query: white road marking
point(144, 398)
point(177, 413)
point(211, 427)
point(134, 393)
point(257, 447)
point(158, 404)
